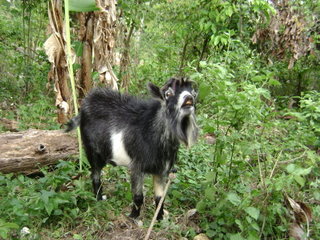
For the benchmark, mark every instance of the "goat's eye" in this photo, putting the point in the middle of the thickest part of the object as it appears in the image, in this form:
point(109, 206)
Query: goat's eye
point(169, 93)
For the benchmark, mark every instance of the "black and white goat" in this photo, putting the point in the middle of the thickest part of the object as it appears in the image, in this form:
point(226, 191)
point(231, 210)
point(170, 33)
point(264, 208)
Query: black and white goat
point(143, 135)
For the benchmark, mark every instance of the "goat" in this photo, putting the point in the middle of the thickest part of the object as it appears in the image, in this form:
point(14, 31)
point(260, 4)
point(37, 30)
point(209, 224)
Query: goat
point(143, 135)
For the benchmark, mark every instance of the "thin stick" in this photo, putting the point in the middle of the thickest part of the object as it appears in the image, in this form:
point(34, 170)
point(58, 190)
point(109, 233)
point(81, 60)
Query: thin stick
point(307, 220)
point(71, 75)
point(171, 177)
point(275, 165)
point(260, 171)
point(292, 160)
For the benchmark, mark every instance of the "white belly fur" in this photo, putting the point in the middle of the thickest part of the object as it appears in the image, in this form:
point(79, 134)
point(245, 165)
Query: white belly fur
point(119, 154)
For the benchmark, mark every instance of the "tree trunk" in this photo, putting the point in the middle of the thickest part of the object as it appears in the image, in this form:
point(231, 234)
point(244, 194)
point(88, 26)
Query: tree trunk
point(125, 60)
point(204, 48)
point(183, 55)
point(27, 151)
point(85, 34)
point(104, 42)
point(55, 49)
point(98, 35)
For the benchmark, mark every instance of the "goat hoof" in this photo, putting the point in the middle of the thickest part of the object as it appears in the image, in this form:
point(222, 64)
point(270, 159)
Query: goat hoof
point(138, 222)
point(133, 215)
point(165, 216)
point(99, 198)
point(135, 220)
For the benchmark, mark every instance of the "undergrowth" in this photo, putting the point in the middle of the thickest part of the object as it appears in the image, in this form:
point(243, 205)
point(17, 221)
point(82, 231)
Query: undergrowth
point(250, 159)
point(238, 181)
point(255, 152)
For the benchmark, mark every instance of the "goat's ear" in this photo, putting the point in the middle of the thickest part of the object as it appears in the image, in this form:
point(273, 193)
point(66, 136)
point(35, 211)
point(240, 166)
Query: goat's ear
point(155, 91)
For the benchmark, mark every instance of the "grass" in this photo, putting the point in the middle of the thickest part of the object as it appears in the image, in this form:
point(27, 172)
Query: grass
point(236, 184)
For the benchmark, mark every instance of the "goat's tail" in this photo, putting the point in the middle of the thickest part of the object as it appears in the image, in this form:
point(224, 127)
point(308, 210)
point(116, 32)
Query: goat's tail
point(73, 123)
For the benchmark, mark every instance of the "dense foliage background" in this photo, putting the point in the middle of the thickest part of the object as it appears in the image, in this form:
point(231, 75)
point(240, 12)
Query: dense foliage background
point(256, 64)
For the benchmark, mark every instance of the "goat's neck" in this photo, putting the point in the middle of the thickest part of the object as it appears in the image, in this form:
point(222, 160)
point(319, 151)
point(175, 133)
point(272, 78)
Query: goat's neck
point(164, 125)
point(175, 129)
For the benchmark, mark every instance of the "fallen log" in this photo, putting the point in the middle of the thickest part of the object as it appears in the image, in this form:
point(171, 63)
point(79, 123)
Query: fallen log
point(27, 151)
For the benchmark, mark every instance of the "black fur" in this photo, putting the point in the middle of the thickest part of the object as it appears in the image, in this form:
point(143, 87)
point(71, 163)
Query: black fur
point(160, 214)
point(151, 132)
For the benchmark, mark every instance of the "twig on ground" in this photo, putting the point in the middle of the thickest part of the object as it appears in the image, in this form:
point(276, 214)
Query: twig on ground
point(171, 177)
point(275, 165)
point(293, 160)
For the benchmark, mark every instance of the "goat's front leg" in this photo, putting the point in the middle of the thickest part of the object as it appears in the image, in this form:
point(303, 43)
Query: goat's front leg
point(137, 192)
point(159, 182)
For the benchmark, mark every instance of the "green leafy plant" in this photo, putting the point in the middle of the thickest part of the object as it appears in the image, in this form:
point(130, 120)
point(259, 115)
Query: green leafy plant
point(6, 227)
point(310, 110)
point(263, 147)
point(245, 184)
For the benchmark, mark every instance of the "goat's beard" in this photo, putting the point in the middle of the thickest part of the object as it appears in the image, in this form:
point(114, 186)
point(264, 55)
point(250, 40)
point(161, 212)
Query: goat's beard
point(181, 126)
point(187, 129)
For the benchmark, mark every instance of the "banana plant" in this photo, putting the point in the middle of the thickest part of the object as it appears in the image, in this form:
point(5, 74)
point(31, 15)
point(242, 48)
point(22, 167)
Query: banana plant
point(77, 6)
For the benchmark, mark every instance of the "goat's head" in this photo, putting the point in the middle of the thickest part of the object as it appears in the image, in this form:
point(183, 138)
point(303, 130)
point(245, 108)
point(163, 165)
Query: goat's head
point(178, 97)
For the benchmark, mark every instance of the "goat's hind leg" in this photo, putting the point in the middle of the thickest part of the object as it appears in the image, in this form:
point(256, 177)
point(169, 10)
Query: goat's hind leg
point(96, 182)
point(137, 191)
point(96, 167)
point(159, 182)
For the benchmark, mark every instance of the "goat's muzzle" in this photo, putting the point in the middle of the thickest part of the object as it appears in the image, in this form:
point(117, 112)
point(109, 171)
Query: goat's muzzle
point(188, 102)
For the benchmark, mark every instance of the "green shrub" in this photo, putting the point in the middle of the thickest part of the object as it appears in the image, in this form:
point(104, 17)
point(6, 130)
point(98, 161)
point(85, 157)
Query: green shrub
point(253, 164)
